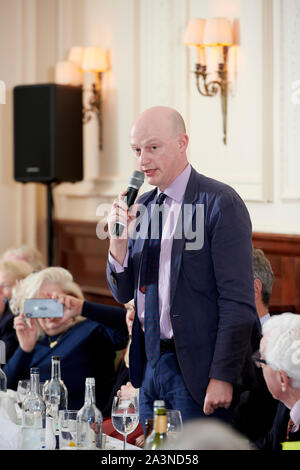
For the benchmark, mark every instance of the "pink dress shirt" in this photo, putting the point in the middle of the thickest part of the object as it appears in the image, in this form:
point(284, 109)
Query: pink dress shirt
point(175, 193)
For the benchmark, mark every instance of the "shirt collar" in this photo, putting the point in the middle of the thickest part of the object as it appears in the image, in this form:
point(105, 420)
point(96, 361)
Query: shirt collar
point(264, 318)
point(177, 188)
point(295, 415)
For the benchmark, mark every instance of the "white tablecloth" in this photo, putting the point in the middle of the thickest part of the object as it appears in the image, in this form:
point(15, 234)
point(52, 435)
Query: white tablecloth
point(115, 444)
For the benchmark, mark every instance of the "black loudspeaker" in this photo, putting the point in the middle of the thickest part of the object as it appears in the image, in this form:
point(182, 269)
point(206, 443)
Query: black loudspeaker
point(48, 133)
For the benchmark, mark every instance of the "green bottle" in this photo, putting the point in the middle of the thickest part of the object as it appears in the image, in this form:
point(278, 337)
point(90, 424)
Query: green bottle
point(159, 436)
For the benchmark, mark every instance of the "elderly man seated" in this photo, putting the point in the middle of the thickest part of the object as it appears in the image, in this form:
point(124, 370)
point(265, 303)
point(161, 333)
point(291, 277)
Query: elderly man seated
point(279, 357)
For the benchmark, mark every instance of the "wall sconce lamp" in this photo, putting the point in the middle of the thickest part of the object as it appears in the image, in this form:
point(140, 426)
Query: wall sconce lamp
point(95, 60)
point(70, 72)
point(217, 33)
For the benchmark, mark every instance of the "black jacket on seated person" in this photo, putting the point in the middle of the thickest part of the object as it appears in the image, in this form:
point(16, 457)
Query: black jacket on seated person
point(256, 410)
point(7, 331)
point(277, 434)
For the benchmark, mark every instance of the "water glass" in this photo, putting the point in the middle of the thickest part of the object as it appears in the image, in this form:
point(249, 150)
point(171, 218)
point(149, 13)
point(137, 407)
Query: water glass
point(125, 416)
point(22, 390)
point(174, 425)
point(67, 429)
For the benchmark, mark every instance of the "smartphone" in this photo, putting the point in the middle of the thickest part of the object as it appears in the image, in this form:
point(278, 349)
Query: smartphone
point(43, 308)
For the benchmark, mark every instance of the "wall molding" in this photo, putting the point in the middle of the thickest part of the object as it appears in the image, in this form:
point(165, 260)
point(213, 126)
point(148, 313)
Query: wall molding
point(290, 123)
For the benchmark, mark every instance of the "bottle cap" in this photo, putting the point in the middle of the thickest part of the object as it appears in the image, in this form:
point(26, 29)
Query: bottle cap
point(2, 352)
point(34, 370)
point(90, 380)
point(56, 358)
point(159, 403)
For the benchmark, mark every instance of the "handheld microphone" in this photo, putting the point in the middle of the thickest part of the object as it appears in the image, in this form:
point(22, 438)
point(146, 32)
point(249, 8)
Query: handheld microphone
point(136, 181)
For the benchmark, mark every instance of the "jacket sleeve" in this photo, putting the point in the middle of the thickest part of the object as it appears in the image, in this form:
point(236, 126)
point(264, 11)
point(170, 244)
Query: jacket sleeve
point(113, 320)
point(122, 283)
point(231, 250)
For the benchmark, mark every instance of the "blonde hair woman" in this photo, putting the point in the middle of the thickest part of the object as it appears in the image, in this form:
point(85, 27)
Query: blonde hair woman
point(86, 348)
point(27, 253)
point(10, 273)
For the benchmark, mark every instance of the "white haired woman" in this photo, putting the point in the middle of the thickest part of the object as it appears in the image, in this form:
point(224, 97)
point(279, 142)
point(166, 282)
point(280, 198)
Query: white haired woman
point(86, 347)
point(10, 273)
point(27, 253)
point(279, 357)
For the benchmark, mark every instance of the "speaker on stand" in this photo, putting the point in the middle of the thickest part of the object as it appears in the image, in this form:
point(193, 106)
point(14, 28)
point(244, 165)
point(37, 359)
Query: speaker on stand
point(48, 142)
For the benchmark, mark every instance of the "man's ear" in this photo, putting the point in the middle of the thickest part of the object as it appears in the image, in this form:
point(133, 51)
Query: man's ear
point(284, 380)
point(182, 140)
point(257, 288)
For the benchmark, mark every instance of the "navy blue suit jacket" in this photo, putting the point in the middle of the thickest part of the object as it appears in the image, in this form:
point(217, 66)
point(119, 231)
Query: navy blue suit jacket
point(212, 307)
point(86, 350)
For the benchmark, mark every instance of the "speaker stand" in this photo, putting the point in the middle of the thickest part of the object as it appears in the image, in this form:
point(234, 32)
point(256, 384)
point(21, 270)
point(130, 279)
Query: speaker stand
point(49, 224)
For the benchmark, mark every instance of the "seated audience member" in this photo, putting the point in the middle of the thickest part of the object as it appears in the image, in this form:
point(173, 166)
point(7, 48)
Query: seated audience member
point(258, 401)
point(209, 434)
point(263, 283)
point(279, 358)
point(10, 273)
point(26, 253)
point(86, 348)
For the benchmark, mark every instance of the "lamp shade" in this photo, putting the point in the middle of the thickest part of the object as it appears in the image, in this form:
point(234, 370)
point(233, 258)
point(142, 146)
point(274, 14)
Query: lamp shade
point(67, 73)
point(194, 32)
point(218, 32)
point(76, 55)
point(94, 59)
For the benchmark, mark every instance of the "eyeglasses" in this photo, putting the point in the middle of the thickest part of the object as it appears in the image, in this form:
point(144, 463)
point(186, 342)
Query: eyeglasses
point(258, 360)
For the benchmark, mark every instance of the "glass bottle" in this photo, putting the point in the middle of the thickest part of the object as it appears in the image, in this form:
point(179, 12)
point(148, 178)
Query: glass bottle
point(33, 415)
point(89, 420)
point(3, 378)
point(149, 435)
point(55, 392)
point(3, 381)
point(159, 434)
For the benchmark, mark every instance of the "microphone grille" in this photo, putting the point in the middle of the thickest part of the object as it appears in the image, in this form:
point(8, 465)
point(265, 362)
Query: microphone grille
point(137, 179)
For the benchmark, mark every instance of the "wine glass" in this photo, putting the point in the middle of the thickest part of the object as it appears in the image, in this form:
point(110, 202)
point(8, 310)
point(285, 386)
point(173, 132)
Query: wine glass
point(174, 425)
point(22, 390)
point(125, 415)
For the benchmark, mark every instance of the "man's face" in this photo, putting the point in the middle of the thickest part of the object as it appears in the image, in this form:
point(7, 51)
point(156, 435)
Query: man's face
point(157, 152)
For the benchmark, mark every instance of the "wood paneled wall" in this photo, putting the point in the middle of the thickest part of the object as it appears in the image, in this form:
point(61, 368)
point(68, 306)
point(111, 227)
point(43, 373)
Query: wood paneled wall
point(283, 252)
point(78, 249)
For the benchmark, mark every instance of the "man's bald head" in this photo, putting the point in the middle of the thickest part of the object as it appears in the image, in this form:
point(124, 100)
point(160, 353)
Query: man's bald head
point(157, 116)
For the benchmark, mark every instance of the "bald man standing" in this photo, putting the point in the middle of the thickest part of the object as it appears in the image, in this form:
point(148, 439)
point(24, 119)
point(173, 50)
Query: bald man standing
point(204, 297)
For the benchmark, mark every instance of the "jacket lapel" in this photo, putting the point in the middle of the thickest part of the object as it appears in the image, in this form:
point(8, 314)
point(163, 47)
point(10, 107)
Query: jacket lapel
point(179, 240)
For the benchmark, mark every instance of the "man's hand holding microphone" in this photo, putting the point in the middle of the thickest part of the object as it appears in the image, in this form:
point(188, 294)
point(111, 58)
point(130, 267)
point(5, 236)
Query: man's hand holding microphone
point(121, 220)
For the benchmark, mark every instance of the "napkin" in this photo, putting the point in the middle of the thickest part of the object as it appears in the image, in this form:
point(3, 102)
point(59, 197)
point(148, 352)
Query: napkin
point(10, 433)
point(7, 402)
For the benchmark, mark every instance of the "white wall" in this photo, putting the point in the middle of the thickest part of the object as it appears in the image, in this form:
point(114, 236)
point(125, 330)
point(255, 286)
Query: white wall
point(150, 65)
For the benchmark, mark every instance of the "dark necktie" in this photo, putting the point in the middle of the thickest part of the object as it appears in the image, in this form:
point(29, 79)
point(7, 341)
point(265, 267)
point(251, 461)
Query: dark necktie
point(149, 282)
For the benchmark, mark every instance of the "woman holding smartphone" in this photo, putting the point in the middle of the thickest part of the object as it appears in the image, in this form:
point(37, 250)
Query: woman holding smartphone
point(86, 347)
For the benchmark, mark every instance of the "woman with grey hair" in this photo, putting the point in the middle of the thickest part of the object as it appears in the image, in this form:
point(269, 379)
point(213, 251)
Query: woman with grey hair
point(86, 347)
point(279, 357)
point(11, 272)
